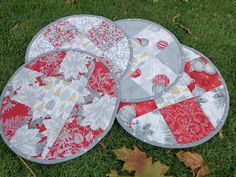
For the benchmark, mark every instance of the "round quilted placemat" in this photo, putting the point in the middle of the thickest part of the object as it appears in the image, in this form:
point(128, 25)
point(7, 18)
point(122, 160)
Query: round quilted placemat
point(156, 64)
point(58, 106)
point(95, 34)
point(189, 114)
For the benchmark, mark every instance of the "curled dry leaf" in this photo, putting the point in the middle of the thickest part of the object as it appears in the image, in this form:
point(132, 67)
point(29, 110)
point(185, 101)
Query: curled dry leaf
point(195, 162)
point(138, 162)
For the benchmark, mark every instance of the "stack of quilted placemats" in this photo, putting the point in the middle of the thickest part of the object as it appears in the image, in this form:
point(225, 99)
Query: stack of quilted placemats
point(83, 71)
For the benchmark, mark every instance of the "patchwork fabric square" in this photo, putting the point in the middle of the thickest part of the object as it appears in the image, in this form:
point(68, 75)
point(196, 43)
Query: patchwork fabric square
point(187, 121)
point(105, 36)
point(60, 33)
point(160, 39)
point(176, 94)
point(154, 76)
point(203, 74)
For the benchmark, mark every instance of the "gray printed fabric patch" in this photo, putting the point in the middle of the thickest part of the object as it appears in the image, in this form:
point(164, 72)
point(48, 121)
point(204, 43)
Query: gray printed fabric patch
point(156, 64)
point(189, 114)
point(94, 34)
point(58, 106)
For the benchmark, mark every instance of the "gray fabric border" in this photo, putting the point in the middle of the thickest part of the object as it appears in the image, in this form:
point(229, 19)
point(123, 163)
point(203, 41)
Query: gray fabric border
point(203, 140)
point(84, 15)
point(42, 161)
point(178, 74)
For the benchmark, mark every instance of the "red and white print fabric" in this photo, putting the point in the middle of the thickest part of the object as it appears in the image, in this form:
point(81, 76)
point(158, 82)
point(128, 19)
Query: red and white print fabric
point(94, 34)
point(186, 115)
point(58, 106)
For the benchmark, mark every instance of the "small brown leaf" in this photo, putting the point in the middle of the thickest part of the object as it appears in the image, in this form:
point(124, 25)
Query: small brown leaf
point(194, 161)
point(168, 151)
point(191, 160)
point(203, 171)
point(102, 144)
point(221, 135)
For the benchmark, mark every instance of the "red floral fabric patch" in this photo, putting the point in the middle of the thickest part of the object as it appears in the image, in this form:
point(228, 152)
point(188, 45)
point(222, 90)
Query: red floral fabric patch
point(12, 114)
point(187, 121)
point(141, 108)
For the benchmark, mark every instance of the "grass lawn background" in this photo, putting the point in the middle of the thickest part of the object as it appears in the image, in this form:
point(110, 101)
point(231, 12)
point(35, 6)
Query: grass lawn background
point(213, 27)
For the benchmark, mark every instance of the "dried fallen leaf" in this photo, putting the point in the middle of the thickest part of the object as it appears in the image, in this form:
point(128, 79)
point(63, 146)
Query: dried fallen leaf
point(153, 169)
point(195, 162)
point(203, 171)
point(221, 135)
point(71, 1)
point(114, 173)
point(102, 144)
point(137, 161)
point(168, 151)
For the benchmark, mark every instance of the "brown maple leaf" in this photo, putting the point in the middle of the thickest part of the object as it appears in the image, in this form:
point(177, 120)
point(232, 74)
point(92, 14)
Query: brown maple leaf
point(195, 162)
point(137, 161)
point(114, 173)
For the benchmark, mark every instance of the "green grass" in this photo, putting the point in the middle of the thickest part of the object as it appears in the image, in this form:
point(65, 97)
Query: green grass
point(213, 27)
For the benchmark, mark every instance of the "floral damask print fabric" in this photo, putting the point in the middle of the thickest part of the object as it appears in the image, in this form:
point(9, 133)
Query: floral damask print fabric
point(94, 34)
point(58, 106)
point(189, 113)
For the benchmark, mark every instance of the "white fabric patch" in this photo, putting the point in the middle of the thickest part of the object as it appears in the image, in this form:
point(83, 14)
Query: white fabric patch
point(213, 106)
point(39, 46)
point(153, 37)
point(149, 70)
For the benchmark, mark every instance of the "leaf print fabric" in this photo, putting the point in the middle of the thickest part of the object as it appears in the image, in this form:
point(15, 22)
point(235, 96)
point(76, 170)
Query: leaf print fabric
point(73, 64)
point(98, 111)
point(25, 140)
point(53, 110)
